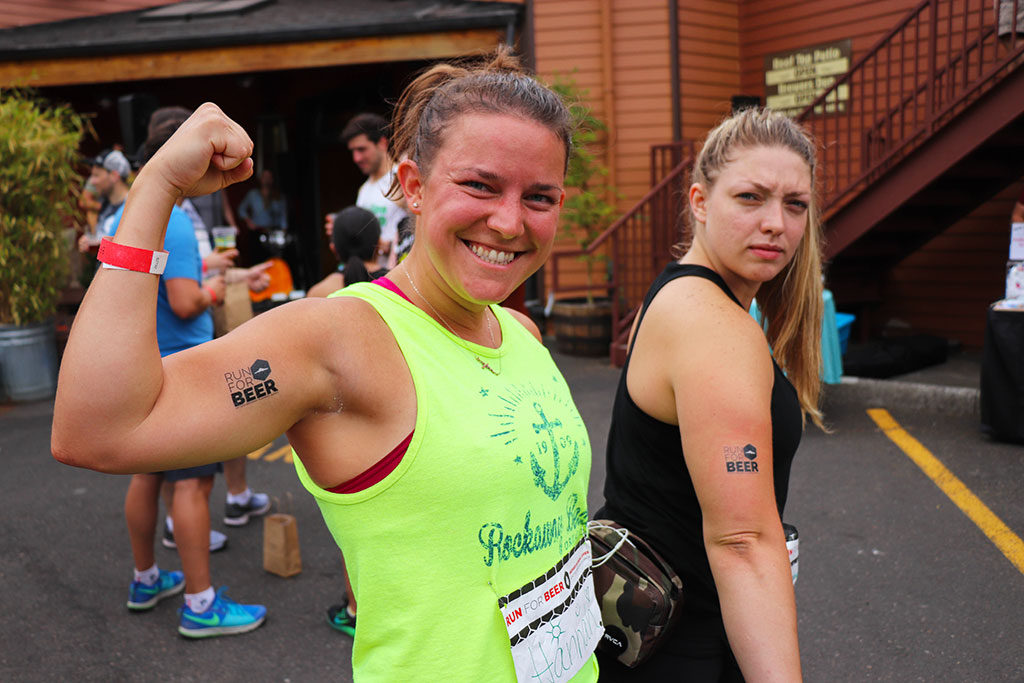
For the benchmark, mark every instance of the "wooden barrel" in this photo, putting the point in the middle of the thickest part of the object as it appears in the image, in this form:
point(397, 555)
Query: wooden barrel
point(582, 328)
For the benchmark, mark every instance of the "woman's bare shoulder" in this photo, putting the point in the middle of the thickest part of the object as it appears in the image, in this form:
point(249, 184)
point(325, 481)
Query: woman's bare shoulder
point(325, 329)
point(694, 322)
point(695, 309)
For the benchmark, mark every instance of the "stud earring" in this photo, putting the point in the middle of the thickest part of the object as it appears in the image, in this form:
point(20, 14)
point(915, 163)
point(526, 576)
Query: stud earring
point(415, 205)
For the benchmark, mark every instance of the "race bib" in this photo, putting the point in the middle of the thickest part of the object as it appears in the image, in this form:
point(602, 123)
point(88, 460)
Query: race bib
point(554, 622)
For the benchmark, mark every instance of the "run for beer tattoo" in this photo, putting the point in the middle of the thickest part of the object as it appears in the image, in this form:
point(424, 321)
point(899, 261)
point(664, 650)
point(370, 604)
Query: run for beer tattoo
point(250, 384)
point(740, 458)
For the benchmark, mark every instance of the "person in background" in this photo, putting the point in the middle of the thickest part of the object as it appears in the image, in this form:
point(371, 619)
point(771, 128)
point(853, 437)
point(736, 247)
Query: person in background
point(354, 241)
point(264, 209)
point(183, 321)
point(366, 136)
point(1017, 214)
point(90, 202)
point(414, 404)
point(710, 406)
point(241, 502)
point(264, 212)
point(109, 181)
point(215, 210)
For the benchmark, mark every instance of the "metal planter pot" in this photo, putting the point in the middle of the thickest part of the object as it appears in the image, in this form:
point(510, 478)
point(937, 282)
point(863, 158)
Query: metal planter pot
point(28, 361)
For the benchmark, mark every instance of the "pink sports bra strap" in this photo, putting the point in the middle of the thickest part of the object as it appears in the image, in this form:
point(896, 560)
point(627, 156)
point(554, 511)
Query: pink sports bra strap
point(387, 283)
point(376, 472)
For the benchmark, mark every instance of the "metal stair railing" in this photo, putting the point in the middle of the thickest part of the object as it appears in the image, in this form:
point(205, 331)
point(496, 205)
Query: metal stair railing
point(637, 245)
point(942, 56)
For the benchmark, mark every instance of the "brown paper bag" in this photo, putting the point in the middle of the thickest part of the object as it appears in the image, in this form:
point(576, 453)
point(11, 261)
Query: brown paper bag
point(281, 545)
point(236, 309)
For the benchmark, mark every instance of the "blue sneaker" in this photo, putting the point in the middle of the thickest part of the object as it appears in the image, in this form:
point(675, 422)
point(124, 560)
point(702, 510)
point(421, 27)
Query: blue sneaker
point(224, 617)
point(143, 597)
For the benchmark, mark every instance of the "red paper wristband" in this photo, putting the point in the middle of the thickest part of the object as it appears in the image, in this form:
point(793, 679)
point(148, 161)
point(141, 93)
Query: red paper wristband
point(124, 257)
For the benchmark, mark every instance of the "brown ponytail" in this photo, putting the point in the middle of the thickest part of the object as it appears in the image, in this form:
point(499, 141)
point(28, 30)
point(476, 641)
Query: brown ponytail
point(495, 84)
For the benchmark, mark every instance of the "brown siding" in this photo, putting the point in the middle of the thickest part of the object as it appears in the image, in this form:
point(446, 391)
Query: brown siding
point(24, 12)
point(945, 287)
point(569, 40)
point(709, 61)
point(769, 26)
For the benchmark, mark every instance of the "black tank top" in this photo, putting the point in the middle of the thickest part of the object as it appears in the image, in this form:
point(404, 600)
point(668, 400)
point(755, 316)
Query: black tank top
point(648, 487)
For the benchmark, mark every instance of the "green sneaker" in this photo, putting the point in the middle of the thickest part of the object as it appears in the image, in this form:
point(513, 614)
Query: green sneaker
point(340, 620)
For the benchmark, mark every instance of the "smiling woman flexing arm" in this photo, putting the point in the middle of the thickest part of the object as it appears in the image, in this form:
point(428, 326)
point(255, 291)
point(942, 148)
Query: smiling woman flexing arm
point(430, 424)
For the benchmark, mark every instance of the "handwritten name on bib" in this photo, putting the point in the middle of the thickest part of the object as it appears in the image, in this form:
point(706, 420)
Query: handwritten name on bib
point(554, 622)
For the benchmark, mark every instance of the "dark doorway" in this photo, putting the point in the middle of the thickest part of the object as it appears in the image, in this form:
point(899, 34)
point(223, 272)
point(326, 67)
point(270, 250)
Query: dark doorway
point(298, 113)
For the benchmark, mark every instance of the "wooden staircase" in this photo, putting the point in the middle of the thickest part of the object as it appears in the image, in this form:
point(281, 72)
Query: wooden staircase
point(933, 127)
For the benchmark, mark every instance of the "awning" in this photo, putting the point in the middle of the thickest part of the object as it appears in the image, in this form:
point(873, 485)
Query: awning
point(267, 36)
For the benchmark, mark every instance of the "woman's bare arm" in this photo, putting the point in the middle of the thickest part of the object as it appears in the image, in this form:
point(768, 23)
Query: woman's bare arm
point(705, 363)
point(727, 443)
point(119, 406)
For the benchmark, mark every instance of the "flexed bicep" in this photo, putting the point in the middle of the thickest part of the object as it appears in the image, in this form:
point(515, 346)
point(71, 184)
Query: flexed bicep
point(208, 403)
point(723, 404)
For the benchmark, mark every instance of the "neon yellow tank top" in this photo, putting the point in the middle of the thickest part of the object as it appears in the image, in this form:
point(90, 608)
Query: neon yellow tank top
point(491, 493)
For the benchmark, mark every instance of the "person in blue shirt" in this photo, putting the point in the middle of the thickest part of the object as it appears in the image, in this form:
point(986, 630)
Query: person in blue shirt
point(183, 320)
point(264, 212)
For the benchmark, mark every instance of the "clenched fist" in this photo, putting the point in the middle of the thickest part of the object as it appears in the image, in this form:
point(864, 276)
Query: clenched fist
point(207, 153)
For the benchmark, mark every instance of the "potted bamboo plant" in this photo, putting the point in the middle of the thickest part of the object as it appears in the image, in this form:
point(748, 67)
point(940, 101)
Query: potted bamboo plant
point(38, 182)
point(582, 326)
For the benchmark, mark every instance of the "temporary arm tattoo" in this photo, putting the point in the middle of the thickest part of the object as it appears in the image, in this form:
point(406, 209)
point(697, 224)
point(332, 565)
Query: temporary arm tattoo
point(740, 459)
point(250, 384)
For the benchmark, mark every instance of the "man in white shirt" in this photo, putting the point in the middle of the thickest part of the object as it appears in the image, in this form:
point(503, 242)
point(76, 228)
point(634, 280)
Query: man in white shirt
point(366, 136)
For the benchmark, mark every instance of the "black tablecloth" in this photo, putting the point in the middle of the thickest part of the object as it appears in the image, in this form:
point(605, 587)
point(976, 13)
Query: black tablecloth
point(1002, 376)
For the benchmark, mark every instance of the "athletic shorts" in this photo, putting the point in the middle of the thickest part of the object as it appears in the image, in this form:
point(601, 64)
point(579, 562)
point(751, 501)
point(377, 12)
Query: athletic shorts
point(193, 472)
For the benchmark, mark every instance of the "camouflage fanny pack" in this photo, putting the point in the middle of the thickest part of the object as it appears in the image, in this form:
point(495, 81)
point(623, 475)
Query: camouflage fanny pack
point(640, 595)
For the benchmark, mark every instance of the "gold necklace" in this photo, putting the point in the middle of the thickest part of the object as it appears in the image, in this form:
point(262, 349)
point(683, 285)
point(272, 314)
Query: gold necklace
point(483, 364)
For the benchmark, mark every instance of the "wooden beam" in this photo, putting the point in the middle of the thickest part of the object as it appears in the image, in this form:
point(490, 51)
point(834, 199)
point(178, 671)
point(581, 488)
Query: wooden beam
point(247, 58)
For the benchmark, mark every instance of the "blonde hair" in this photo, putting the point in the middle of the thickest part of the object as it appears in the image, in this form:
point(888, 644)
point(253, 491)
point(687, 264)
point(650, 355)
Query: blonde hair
point(494, 84)
point(791, 302)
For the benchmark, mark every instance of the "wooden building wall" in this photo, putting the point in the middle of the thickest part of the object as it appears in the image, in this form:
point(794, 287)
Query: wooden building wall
point(710, 53)
point(945, 287)
point(25, 12)
point(768, 26)
point(619, 52)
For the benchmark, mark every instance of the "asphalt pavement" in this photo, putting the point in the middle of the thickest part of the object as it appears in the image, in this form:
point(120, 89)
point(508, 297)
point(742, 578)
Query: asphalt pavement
point(897, 582)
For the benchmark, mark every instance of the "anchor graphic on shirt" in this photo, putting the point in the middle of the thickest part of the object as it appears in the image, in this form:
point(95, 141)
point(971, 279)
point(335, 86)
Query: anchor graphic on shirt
point(540, 476)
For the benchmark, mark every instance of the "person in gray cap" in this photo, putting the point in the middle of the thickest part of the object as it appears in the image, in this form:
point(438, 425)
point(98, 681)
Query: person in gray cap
point(109, 179)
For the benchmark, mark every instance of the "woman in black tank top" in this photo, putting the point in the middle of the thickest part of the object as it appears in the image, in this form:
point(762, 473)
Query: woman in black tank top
point(710, 406)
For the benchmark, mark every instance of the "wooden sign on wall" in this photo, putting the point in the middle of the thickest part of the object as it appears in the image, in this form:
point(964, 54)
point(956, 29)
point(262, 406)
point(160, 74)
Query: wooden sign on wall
point(794, 78)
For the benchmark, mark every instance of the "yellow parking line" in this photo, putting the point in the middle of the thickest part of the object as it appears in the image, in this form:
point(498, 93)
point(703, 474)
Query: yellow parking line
point(1008, 542)
point(258, 453)
point(284, 451)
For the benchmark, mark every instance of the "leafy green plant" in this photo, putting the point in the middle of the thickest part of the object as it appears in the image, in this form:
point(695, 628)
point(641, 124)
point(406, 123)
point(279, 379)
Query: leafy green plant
point(38, 183)
point(587, 211)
